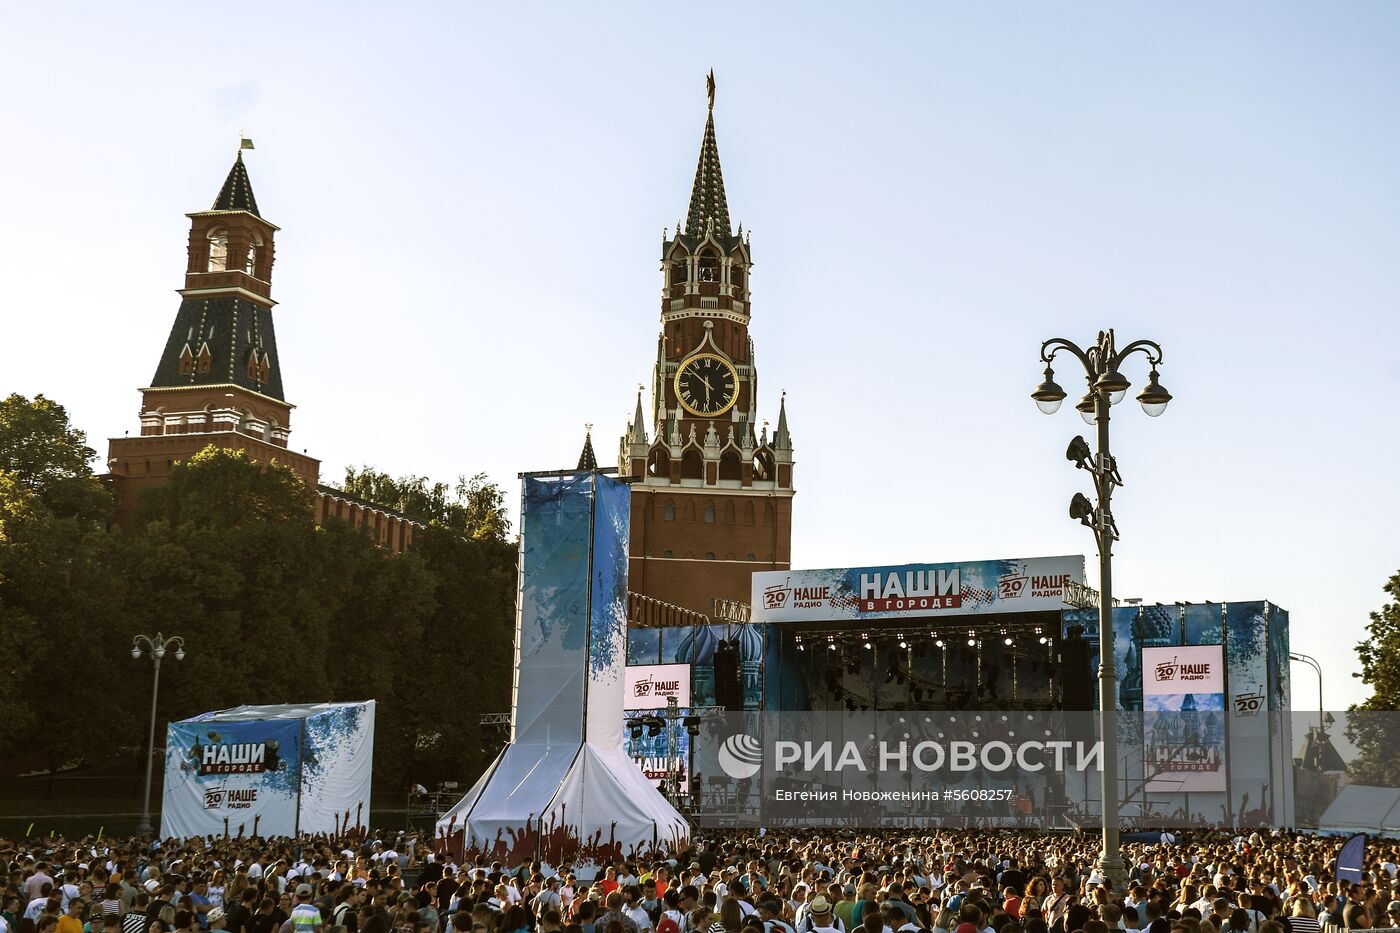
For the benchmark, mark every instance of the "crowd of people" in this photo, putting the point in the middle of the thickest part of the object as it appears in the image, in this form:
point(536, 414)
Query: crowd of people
point(815, 882)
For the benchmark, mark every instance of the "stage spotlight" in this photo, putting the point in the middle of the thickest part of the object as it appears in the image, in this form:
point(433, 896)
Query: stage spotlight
point(938, 643)
point(830, 643)
point(971, 642)
point(1044, 640)
point(654, 725)
point(1008, 640)
point(868, 645)
point(1079, 453)
point(1081, 510)
point(902, 642)
point(889, 675)
point(636, 729)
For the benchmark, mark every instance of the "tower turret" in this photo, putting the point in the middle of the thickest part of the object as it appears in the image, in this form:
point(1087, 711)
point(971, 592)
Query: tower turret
point(711, 499)
point(219, 378)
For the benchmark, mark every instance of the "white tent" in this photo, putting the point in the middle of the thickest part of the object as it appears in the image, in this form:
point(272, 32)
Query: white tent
point(578, 802)
point(564, 789)
point(1360, 808)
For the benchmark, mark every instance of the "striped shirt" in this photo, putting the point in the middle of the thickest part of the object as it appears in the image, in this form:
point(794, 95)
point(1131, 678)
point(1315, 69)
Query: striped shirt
point(305, 918)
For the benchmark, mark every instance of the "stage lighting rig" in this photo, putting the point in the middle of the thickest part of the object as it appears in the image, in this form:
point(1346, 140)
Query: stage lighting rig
point(1079, 453)
point(1081, 510)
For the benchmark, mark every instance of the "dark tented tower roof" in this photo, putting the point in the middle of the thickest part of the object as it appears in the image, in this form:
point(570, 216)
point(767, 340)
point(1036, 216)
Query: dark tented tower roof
point(586, 459)
point(707, 200)
point(237, 192)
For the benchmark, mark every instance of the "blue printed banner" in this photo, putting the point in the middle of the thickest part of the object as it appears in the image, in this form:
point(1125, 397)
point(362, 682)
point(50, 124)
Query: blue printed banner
point(1034, 584)
point(231, 777)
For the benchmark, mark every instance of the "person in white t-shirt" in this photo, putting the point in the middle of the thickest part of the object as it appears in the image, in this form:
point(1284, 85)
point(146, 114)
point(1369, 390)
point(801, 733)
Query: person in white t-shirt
point(632, 908)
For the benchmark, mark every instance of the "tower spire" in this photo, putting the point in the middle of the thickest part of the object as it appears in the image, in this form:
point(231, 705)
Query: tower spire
point(707, 200)
point(638, 434)
point(782, 440)
point(237, 192)
point(586, 459)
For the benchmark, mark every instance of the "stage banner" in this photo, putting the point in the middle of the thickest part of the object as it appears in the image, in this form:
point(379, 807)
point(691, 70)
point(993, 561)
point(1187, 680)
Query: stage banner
point(650, 686)
point(1035, 584)
point(607, 612)
point(337, 765)
point(1183, 696)
point(553, 609)
point(1247, 675)
point(234, 778)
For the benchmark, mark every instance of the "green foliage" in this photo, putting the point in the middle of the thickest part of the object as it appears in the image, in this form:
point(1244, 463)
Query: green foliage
point(1374, 726)
point(474, 507)
point(57, 582)
point(219, 489)
point(46, 455)
point(272, 607)
point(455, 662)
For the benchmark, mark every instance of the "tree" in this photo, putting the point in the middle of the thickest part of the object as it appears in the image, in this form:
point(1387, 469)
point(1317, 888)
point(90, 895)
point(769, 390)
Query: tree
point(226, 554)
point(274, 608)
point(474, 507)
point(1374, 726)
point(60, 599)
point(461, 660)
point(219, 488)
point(45, 454)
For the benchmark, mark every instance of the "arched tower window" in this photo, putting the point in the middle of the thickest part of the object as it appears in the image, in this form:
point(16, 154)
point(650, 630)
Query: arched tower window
point(763, 467)
point(669, 513)
point(218, 249)
point(659, 462)
point(710, 514)
point(708, 267)
point(678, 272)
point(729, 464)
point(254, 251)
point(692, 465)
point(736, 275)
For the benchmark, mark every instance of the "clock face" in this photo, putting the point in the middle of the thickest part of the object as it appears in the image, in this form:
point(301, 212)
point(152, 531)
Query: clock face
point(707, 385)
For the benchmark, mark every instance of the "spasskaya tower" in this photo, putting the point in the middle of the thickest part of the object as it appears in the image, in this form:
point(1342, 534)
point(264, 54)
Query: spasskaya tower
point(711, 489)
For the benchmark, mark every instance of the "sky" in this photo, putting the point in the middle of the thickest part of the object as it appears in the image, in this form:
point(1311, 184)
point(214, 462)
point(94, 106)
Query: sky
point(472, 198)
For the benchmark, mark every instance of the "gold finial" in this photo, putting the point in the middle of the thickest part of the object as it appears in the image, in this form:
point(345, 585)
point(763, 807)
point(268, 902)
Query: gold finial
point(588, 428)
point(710, 87)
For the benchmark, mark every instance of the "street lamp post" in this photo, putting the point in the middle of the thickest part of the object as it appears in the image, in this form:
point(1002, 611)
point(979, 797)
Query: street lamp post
point(1107, 386)
point(157, 646)
point(1313, 663)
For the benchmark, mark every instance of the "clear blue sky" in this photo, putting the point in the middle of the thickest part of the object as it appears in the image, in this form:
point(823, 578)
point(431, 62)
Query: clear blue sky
point(472, 199)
